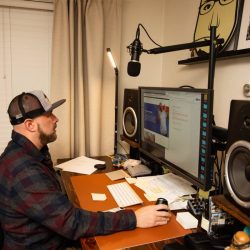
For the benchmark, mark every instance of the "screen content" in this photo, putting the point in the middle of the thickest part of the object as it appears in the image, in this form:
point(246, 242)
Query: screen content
point(176, 130)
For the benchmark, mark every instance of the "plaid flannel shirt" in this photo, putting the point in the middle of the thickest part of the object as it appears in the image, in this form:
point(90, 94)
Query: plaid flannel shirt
point(34, 213)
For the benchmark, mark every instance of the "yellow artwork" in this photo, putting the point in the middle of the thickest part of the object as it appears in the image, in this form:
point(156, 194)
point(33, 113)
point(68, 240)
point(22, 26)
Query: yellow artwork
point(219, 13)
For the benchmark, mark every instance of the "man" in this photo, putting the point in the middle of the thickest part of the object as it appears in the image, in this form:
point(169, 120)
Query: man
point(34, 213)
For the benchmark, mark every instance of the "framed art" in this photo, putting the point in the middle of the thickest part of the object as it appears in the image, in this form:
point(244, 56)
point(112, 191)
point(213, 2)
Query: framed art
point(233, 44)
point(220, 13)
point(244, 34)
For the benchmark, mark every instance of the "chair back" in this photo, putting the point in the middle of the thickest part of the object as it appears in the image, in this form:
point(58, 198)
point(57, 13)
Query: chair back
point(1, 237)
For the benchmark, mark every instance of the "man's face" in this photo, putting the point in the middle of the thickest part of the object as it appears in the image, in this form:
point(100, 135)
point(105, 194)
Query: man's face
point(219, 13)
point(47, 128)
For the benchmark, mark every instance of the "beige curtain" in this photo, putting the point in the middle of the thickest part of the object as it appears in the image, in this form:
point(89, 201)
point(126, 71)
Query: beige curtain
point(83, 29)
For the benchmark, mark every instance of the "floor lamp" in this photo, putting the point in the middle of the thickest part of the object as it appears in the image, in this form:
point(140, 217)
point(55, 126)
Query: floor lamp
point(112, 61)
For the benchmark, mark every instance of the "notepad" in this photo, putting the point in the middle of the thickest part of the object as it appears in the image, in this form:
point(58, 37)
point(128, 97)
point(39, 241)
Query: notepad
point(187, 220)
point(98, 197)
point(117, 175)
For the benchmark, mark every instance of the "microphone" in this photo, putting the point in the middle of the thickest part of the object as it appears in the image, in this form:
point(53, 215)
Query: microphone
point(135, 50)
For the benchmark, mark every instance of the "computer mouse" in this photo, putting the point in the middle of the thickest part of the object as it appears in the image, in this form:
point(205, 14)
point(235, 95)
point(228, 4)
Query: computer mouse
point(100, 166)
point(162, 201)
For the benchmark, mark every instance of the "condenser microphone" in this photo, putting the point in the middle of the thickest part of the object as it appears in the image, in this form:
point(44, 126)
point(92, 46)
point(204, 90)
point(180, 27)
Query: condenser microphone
point(135, 50)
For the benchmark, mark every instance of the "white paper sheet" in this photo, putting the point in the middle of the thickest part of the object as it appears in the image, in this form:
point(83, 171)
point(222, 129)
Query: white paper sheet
point(168, 186)
point(81, 165)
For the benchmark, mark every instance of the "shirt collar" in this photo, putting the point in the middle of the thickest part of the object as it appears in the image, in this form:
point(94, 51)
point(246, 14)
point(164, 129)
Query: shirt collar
point(29, 147)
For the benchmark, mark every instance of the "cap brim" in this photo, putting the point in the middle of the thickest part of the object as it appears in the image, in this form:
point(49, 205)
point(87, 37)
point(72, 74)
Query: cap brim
point(57, 104)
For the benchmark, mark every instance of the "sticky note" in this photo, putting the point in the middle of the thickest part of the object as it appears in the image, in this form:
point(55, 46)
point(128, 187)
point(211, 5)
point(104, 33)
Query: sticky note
point(98, 197)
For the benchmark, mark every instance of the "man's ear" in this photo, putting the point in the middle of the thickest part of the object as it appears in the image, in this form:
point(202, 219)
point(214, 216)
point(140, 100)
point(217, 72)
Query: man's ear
point(30, 125)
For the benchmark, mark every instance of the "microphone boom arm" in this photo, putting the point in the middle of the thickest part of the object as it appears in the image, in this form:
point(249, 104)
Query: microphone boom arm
point(212, 51)
point(183, 46)
point(135, 49)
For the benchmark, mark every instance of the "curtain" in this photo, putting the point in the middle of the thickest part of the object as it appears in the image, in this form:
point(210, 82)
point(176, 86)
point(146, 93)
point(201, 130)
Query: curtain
point(25, 46)
point(82, 31)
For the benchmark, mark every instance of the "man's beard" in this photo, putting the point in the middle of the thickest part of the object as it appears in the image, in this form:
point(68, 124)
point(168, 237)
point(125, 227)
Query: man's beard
point(44, 138)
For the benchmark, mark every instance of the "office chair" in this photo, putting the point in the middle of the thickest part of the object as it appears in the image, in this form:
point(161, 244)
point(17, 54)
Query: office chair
point(1, 237)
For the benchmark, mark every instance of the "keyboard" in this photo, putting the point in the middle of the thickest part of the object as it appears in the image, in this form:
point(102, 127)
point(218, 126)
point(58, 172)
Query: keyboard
point(124, 195)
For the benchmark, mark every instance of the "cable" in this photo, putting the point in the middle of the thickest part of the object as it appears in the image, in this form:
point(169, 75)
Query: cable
point(218, 164)
point(123, 148)
point(138, 34)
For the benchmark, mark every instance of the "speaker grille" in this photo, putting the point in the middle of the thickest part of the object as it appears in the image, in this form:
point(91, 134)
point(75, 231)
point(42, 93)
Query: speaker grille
point(129, 122)
point(237, 170)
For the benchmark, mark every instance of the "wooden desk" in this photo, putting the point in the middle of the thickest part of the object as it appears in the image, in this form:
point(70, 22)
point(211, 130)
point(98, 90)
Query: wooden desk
point(90, 243)
point(86, 184)
point(65, 177)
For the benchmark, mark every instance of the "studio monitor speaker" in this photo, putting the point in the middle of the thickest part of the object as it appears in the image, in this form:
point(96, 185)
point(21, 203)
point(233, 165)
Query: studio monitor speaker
point(237, 164)
point(130, 120)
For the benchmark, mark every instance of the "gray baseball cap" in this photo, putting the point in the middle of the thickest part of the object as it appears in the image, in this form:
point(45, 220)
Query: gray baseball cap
point(30, 105)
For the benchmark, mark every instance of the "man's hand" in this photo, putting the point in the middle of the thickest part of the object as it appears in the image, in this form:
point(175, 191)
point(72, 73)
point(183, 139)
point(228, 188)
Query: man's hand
point(150, 216)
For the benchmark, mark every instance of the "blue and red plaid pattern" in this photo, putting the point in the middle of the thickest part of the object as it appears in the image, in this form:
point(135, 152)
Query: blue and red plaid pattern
point(35, 213)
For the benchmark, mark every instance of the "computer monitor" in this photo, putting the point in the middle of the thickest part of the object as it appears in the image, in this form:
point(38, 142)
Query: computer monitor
point(176, 131)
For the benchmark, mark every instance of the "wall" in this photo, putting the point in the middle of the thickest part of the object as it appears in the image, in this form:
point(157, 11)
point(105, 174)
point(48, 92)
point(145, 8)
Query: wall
point(230, 75)
point(168, 23)
point(151, 15)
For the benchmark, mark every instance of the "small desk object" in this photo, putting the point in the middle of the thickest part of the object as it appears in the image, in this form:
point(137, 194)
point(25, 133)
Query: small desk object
point(230, 207)
point(84, 185)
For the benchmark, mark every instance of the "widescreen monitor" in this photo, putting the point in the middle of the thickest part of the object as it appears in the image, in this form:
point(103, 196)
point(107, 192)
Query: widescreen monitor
point(175, 131)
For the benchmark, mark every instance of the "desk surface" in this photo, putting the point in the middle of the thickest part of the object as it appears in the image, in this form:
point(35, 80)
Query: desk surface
point(65, 176)
point(90, 243)
point(84, 185)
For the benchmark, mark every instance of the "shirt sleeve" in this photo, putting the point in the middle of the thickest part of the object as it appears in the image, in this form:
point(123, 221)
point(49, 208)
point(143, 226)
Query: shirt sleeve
point(37, 198)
